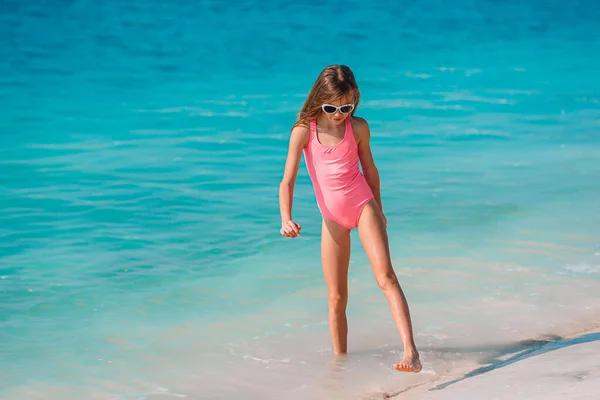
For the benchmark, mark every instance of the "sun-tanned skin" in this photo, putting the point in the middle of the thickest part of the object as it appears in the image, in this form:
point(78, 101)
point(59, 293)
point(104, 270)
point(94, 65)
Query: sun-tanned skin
point(335, 238)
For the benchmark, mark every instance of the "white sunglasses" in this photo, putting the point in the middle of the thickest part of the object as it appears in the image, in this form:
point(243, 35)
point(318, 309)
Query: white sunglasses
point(331, 109)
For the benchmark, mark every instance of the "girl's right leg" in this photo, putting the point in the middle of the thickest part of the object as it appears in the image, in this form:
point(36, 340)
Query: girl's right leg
point(373, 234)
point(335, 256)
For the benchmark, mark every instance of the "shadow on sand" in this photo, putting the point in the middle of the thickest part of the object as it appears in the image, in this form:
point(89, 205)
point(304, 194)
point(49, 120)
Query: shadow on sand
point(524, 350)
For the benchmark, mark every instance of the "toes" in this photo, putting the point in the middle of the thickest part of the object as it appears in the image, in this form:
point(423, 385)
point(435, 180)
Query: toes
point(402, 367)
point(407, 368)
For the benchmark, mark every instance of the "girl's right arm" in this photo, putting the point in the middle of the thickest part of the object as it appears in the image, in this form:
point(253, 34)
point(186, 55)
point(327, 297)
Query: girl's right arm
point(298, 140)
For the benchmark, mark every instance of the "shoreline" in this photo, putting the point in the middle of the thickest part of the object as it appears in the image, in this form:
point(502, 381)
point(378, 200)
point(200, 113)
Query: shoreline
point(566, 367)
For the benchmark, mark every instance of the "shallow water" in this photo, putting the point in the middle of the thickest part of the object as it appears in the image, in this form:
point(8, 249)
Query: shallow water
point(143, 146)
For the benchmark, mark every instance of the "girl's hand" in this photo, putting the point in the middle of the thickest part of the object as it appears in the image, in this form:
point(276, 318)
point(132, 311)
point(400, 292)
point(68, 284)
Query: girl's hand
point(290, 229)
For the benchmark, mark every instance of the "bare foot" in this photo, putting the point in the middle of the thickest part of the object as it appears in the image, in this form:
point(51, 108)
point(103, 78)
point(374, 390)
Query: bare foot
point(410, 363)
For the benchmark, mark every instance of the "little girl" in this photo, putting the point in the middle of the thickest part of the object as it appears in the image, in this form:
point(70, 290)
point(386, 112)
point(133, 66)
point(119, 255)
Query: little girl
point(333, 141)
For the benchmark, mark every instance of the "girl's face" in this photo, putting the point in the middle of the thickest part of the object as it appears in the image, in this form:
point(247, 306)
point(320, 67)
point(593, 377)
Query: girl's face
point(342, 107)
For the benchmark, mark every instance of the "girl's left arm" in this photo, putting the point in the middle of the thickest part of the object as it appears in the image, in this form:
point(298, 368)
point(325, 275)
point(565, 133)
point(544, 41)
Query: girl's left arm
point(366, 158)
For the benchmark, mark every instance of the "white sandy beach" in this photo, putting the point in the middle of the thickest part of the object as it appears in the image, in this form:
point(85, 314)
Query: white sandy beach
point(564, 369)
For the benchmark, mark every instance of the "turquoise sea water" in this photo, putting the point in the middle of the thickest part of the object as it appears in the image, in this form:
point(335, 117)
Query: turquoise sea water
point(143, 144)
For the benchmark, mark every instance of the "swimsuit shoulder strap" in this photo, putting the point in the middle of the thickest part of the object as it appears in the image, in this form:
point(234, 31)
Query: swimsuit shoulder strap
point(312, 129)
point(349, 131)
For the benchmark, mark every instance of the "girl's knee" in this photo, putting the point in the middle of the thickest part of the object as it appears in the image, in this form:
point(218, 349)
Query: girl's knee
point(338, 301)
point(387, 280)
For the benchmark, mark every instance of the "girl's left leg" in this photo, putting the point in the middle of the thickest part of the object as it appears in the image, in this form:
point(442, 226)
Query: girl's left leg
point(335, 255)
point(373, 235)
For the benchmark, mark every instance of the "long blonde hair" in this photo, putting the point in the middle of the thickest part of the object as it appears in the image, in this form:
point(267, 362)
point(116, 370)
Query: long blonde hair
point(333, 82)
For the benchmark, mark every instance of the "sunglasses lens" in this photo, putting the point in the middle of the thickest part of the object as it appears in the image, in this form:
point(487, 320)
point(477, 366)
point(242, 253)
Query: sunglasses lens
point(345, 109)
point(329, 109)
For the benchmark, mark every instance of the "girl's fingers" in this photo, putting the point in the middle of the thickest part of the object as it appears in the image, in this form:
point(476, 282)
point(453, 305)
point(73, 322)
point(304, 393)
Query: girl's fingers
point(293, 227)
point(286, 232)
point(290, 229)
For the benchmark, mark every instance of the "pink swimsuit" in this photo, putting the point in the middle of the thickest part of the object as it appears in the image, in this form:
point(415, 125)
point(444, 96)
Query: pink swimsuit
point(340, 188)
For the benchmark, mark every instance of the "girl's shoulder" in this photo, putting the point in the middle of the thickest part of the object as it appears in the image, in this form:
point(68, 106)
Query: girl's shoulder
point(360, 128)
point(301, 125)
point(300, 133)
point(358, 122)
